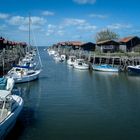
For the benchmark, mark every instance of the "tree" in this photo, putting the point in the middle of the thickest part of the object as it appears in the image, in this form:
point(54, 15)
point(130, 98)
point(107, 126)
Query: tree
point(106, 35)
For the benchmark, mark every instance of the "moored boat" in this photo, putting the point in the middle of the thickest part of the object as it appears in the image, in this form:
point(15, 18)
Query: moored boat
point(71, 60)
point(10, 108)
point(22, 74)
point(81, 65)
point(105, 68)
point(134, 69)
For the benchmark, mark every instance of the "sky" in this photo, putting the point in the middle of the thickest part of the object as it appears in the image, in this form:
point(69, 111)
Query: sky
point(53, 21)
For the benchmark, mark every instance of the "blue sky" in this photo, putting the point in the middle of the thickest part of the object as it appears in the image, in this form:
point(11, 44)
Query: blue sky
point(53, 21)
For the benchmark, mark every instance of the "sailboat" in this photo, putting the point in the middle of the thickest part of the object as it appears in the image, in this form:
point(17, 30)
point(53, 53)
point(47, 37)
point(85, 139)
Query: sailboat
point(24, 73)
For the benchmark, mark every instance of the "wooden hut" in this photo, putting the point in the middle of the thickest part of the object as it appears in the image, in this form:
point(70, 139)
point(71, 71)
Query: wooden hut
point(108, 46)
point(128, 44)
point(88, 46)
point(2, 43)
point(72, 44)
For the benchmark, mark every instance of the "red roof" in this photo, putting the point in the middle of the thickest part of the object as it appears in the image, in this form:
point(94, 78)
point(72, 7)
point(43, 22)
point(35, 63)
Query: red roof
point(70, 43)
point(126, 39)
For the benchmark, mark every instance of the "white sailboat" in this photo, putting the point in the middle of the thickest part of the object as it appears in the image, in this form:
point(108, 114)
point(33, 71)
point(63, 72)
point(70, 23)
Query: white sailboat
point(21, 74)
point(24, 73)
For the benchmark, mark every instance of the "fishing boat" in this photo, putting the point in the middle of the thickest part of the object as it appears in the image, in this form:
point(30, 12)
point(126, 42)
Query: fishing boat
point(10, 108)
point(134, 69)
point(23, 74)
point(63, 57)
point(105, 68)
point(51, 52)
point(71, 60)
point(81, 64)
point(57, 57)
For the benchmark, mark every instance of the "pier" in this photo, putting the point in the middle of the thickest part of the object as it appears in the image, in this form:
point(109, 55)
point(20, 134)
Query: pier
point(122, 60)
point(10, 53)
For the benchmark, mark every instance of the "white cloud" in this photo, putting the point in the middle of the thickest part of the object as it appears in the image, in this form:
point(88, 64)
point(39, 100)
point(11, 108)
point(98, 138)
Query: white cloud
point(118, 26)
point(51, 26)
point(38, 20)
point(3, 16)
point(85, 1)
point(54, 30)
point(47, 13)
point(79, 24)
point(87, 27)
point(26, 28)
point(50, 29)
point(22, 22)
point(73, 22)
point(19, 20)
point(98, 16)
point(60, 32)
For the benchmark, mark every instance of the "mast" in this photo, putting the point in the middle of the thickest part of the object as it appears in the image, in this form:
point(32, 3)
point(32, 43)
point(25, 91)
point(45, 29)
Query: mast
point(29, 32)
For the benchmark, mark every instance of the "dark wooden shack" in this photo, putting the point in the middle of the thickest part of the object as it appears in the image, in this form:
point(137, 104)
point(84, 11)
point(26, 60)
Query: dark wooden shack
point(2, 43)
point(128, 44)
point(72, 44)
point(108, 46)
point(88, 46)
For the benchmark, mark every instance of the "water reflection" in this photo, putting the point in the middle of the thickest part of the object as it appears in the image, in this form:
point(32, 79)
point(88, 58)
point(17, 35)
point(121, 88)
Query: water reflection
point(28, 115)
point(66, 103)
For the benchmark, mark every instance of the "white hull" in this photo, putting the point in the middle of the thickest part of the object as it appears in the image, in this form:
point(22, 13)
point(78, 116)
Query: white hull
point(27, 78)
point(7, 124)
point(69, 62)
point(81, 67)
point(18, 78)
point(134, 69)
point(51, 52)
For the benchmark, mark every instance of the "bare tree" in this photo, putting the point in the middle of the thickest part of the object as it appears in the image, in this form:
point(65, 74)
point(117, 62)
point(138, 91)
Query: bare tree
point(106, 35)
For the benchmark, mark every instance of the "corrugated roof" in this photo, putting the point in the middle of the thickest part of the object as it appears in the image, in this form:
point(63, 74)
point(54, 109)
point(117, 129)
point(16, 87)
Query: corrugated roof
point(127, 39)
point(70, 43)
point(106, 41)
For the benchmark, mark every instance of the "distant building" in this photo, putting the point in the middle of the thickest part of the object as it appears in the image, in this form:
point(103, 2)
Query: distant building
point(108, 46)
point(88, 46)
point(2, 44)
point(72, 44)
point(129, 44)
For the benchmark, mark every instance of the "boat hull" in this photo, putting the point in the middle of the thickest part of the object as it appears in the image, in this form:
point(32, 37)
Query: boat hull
point(70, 63)
point(134, 69)
point(27, 78)
point(104, 68)
point(7, 124)
point(81, 67)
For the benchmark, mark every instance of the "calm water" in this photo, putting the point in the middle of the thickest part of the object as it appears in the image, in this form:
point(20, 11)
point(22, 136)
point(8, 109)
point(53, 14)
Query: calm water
point(68, 104)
